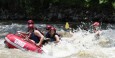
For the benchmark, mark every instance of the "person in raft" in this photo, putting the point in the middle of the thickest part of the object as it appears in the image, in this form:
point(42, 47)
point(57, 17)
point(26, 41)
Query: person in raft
point(52, 36)
point(28, 23)
point(96, 29)
point(34, 35)
point(48, 27)
point(31, 22)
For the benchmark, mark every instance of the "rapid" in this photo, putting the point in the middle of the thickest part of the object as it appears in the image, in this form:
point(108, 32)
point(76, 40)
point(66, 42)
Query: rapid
point(81, 43)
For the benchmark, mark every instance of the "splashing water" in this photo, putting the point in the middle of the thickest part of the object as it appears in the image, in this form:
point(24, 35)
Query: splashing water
point(82, 44)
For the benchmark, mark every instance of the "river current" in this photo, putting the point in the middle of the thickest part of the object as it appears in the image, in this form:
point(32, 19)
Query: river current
point(81, 43)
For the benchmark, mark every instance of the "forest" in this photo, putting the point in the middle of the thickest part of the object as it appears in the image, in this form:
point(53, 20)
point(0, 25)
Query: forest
point(58, 10)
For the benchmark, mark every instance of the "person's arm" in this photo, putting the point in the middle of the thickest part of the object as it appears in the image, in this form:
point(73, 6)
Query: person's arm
point(98, 32)
point(57, 39)
point(37, 33)
point(24, 35)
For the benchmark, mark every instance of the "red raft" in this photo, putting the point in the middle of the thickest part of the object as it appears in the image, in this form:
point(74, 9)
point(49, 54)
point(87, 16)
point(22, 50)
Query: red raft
point(15, 41)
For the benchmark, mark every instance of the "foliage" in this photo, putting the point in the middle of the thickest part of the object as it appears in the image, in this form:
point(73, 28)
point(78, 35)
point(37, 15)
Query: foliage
point(35, 6)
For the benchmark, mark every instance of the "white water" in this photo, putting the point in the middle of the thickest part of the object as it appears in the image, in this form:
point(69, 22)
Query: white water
point(81, 45)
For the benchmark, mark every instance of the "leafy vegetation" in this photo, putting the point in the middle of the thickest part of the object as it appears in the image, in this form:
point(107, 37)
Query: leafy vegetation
point(30, 7)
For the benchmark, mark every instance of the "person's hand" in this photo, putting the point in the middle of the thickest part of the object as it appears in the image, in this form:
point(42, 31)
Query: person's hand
point(19, 32)
point(26, 39)
point(46, 38)
point(38, 44)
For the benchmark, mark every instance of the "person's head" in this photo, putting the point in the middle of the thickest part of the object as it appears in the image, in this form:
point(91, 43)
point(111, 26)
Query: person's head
point(52, 30)
point(96, 24)
point(31, 27)
point(48, 27)
point(30, 22)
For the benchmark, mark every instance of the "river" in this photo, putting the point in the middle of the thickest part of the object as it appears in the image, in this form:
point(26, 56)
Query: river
point(82, 44)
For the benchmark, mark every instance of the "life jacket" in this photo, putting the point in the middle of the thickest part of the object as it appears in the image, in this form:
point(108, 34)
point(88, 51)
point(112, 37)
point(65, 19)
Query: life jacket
point(34, 37)
point(52, 38)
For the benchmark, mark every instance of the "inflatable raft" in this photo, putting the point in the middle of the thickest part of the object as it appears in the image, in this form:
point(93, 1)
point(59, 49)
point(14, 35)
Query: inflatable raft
point(15, 41)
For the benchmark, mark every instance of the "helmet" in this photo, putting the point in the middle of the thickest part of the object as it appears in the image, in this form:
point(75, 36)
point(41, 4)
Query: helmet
point(48, 27)
point(31, 26)
point(30, 21)
point(96, 24)
point(52, 28)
